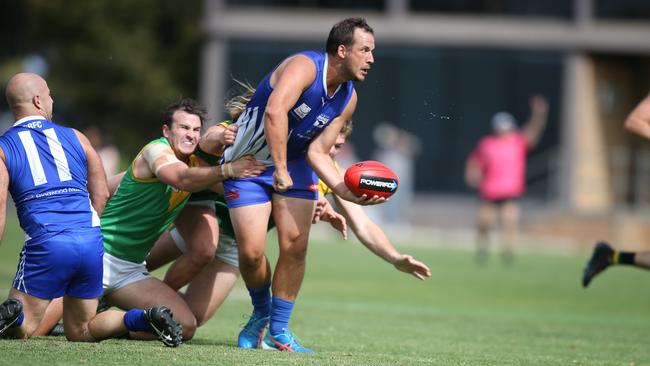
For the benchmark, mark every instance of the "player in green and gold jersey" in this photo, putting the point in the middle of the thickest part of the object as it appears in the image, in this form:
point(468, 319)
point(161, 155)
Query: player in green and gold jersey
point(152, 192)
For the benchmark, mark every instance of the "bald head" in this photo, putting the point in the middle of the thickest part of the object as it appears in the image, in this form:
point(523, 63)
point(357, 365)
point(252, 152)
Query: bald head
point(28, 94)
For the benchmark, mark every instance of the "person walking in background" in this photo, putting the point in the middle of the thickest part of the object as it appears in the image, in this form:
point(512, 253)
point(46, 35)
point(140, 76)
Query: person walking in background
point(57, 182)
point(497, 168)
point(604, 255)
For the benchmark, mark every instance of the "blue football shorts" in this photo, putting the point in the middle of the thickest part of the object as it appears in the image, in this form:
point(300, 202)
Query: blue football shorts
point(67, 263)
point(251, 191)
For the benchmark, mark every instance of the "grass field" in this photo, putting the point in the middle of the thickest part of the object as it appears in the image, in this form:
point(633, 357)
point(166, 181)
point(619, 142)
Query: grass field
point(356, 310)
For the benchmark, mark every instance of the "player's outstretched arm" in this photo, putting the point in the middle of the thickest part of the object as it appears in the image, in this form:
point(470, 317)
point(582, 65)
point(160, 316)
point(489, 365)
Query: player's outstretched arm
point(158, 159)
point(4, 188)
point(97, 184)
point(638, 121)
point(374, 238)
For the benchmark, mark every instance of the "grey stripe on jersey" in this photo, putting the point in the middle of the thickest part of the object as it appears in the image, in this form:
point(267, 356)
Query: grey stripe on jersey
point(250, 138)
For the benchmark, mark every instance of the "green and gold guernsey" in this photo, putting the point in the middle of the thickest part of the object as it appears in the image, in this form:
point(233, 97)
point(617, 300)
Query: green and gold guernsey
point(139, 212)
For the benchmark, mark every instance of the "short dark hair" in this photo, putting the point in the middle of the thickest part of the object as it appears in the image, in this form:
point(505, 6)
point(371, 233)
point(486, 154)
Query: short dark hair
point(342, 33)
point(187, 105)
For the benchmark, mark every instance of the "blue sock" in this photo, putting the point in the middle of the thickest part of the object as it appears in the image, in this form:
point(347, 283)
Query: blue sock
point(261, 299)
point(135, 322)
point(19, 321)
point(280, 315)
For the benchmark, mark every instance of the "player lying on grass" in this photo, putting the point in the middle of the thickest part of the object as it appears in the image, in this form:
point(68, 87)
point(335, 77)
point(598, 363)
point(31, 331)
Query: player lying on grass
point(59, 187)
point(603, 256)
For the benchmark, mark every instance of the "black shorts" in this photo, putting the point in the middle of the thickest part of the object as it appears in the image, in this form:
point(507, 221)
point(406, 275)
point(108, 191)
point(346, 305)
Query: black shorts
point(502, 201)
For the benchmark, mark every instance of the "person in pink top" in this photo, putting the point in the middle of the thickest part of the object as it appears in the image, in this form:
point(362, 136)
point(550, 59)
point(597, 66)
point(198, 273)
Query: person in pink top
point(497, 168)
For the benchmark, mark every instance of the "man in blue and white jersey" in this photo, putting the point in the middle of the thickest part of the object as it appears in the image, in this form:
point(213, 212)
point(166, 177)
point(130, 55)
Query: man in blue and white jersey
point(58, 185)
point(290, 124)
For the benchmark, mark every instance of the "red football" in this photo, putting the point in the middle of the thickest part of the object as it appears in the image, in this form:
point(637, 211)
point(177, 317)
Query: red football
point(371, 178)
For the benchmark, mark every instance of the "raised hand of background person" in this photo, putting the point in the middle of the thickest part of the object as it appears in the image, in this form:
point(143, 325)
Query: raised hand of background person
point(538, 104)
point(537, 123)
point(408, 264)
point(245, 167)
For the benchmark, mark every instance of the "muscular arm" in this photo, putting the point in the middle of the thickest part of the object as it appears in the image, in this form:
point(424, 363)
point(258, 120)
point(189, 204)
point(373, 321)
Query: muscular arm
point(159, 160)
point(97, 184)
point(369, 233)
point(638, 121)
point(289, 81)
point(4, 188)
point(319, 159)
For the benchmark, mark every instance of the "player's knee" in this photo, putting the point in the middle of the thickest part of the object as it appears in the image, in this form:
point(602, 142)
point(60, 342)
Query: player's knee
point(295, 252)
point(78, 333)
point(251, 259)
point(201, 319)
point(202, 255)
point(189, 328)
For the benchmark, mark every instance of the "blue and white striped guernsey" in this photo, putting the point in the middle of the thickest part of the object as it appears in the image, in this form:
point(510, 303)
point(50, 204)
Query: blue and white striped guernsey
point(48, 176)
point(313, 111)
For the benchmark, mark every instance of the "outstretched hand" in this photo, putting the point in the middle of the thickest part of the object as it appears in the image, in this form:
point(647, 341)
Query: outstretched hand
point(414, 267)
point(324, 211)
point(245, 167)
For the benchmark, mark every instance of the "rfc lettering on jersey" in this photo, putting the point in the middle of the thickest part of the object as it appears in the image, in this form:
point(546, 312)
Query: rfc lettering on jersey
point(34, 124)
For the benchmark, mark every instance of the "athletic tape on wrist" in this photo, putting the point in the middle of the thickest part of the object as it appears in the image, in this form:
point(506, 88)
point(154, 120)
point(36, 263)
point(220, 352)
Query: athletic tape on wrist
point(231, 172)
point(223, 174)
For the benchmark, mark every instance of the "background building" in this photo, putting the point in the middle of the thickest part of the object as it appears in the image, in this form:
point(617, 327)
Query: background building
point(444, 67)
